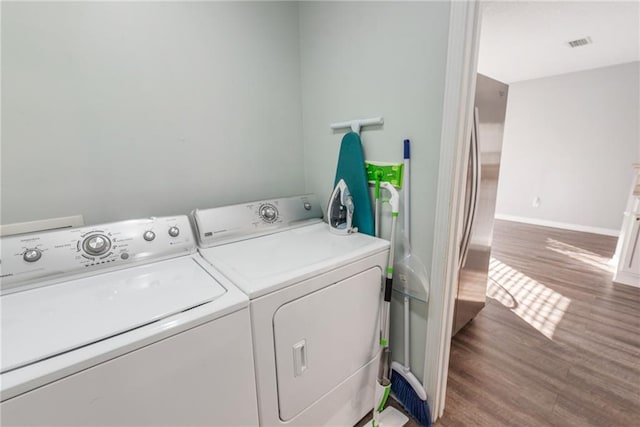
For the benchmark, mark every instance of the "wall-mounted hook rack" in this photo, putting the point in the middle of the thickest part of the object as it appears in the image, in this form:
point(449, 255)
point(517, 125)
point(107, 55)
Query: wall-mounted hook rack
point(356, 124)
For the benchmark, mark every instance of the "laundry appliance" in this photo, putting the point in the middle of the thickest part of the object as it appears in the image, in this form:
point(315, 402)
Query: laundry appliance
point(315, 299)
point(122, 324)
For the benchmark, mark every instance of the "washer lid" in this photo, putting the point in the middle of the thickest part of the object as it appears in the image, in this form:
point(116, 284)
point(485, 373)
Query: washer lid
point(265, 264)
point(43, 322)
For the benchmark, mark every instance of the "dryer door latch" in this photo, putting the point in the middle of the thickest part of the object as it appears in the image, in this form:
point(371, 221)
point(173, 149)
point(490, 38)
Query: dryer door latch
point(299, 358)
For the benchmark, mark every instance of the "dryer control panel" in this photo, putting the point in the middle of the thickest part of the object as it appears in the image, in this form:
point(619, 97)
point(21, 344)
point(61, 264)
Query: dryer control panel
point(40, 256)
point(228, 224)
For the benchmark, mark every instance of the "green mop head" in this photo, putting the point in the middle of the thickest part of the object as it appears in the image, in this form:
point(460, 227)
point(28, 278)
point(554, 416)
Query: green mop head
point(384, 172)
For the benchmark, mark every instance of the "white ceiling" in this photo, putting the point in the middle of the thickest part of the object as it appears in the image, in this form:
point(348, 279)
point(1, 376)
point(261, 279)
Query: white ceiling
point(523, 40)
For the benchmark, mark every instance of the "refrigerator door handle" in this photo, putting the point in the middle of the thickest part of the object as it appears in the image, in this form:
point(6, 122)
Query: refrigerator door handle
point(475, 183)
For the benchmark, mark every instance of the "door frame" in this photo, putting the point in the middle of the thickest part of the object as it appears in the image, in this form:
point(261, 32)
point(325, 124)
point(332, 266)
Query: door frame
point(459, 93)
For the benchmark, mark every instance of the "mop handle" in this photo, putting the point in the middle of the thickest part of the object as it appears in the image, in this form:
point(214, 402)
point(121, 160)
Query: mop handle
point(407, 234)
point(407, 180)
point(388, 286)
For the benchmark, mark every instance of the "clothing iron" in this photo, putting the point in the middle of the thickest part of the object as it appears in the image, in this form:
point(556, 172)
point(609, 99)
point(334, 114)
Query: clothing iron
point(340, 210)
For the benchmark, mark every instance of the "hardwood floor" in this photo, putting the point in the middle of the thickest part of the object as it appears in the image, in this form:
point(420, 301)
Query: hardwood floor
point(558, 343)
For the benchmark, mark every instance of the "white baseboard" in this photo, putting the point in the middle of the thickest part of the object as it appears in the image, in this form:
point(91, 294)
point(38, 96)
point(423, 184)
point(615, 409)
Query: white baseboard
point(563, 225)
point(627, 279)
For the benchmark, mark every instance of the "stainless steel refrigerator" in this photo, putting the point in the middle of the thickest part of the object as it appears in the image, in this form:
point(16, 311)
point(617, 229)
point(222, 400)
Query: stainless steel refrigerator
point(480, 198)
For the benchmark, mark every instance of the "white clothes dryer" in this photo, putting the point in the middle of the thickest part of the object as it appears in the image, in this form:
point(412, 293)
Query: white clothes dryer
point(122, 324)
point(315, 300)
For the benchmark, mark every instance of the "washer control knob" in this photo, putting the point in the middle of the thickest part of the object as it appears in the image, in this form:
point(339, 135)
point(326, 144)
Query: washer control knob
point(149, 235)
point(268, 212)
point(96, 244)
point(32, 255)
point(174, 231)
point(307, 206)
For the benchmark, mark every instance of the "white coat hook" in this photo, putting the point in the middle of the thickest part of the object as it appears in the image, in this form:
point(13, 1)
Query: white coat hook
point(357, 124)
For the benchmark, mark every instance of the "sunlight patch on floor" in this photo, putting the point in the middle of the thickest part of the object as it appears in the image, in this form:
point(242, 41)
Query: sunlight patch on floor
point(535, 303)
point(582, 255)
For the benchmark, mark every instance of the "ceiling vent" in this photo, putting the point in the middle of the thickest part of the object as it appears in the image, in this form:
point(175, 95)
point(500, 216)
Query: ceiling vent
point(580, 42)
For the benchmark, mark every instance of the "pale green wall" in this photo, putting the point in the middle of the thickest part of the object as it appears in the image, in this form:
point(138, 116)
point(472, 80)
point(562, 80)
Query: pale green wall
point(120, 110)
point(387, 59)
point(117, 110)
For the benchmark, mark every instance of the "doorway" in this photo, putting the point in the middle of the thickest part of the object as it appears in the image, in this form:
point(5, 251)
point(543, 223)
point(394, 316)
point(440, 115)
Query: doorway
point(556, 342)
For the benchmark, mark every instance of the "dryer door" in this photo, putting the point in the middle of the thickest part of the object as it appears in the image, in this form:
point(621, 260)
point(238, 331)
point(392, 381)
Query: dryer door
point(325, 337)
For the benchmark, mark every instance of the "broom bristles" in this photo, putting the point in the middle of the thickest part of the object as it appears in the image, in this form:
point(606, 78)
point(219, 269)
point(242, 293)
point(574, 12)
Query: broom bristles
point(409, 399)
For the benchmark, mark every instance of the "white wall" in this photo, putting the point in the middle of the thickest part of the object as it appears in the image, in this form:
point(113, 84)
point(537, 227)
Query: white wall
point(385, 59)
point(571, 140)
point(119, 110)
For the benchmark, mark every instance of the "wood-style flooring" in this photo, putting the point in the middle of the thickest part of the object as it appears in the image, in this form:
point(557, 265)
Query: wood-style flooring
point(558, 343)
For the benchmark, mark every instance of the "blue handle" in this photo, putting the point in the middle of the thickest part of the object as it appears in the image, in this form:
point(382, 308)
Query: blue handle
point(407, 144)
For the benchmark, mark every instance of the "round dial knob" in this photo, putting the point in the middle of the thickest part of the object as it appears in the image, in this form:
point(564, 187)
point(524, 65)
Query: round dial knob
point(174, 231)
point(268, 212)
point(149, 235)
point(96, 244)
point(32, 255)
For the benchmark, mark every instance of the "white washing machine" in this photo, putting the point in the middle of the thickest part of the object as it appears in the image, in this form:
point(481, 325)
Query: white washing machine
point(122, 324)
point(315, 300)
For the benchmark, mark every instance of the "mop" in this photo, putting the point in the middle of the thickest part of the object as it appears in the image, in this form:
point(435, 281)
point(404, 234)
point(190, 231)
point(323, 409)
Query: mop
point(387, 417)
